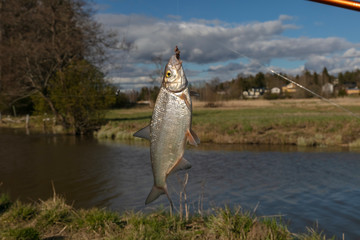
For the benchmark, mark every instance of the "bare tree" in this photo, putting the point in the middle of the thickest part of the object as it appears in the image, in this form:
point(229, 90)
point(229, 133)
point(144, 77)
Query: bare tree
point(156, 76)
point(158, 73)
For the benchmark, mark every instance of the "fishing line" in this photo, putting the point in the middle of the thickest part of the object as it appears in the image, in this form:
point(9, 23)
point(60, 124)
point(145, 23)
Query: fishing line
point(315, 94)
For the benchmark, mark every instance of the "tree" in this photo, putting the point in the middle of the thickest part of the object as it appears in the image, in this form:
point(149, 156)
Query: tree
point(316, 79)
point(259, 81)
point(41, 38)
point(80, 95)
point(156, 76)
point(325, 77)
point(158, 73)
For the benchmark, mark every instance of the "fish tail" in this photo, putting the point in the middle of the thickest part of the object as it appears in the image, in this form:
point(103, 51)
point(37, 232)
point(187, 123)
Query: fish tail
point(156, 192)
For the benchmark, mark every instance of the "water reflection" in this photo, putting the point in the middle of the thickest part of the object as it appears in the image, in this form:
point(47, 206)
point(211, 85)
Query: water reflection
point(304, 185)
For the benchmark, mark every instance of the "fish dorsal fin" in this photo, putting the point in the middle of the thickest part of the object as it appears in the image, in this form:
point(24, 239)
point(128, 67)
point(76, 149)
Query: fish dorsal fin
point(192, 137)
point(182, 165)
point(143, 133)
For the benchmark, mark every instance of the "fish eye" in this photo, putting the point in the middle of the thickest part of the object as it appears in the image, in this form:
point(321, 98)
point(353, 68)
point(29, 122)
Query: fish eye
point(168, 74)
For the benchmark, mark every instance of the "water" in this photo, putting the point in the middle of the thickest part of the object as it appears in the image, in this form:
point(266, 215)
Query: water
point(304, 186)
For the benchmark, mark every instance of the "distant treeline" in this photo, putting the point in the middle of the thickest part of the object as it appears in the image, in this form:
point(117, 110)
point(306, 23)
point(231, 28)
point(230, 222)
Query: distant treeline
point(215, 90)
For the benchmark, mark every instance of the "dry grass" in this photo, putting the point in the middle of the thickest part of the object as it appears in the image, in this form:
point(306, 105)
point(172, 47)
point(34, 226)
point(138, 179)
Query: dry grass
point(260, 103)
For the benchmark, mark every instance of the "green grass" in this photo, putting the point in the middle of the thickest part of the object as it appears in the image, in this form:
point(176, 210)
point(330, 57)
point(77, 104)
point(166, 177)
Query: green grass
point(54, 219)
point(290, 125)
point(22, 212)
point(27, 233)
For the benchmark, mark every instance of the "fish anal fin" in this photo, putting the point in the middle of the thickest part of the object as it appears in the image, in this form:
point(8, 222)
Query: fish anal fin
point(143, 133)
point(192, 138)
point(183, 164)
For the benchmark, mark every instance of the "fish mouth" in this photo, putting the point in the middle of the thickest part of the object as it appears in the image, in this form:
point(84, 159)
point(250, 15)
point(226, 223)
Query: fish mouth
point(178, 82)
point(175, 62)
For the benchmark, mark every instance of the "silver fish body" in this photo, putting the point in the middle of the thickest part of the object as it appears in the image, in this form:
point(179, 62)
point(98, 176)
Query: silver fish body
point(170, 128)
point(168, 134)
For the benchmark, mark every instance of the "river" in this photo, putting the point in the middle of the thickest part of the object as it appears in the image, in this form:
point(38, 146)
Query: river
point(306, 186)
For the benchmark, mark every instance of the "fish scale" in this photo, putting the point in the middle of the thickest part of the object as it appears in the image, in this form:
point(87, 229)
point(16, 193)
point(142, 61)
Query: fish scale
point(168, 129)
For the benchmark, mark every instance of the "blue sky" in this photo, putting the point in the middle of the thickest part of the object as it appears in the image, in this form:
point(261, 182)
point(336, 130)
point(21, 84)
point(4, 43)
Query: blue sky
point(226, 38)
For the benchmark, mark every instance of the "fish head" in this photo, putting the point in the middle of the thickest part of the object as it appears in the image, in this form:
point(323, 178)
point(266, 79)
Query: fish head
point(174, 77)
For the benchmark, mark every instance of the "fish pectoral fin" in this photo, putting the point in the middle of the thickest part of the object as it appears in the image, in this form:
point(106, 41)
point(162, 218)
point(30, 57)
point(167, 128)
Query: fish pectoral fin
point(192, 138)
point(182, 165)
point(143, 133)
point(183, 97)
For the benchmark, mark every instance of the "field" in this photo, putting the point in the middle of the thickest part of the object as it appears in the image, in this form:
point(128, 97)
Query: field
point(306, 122)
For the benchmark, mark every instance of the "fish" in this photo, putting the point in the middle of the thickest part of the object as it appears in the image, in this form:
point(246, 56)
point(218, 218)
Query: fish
point(170, 127)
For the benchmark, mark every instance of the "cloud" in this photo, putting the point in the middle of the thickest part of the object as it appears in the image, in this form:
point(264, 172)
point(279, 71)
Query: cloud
point(158, 37)
point(203, 42)
point(348, 61)
point(352, 53)
point(232, 69)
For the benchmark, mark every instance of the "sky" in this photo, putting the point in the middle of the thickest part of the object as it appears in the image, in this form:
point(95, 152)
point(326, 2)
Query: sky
point(221, 39)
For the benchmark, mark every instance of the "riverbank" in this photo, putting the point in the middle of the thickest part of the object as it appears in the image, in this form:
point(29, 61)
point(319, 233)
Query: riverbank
point(304, 122)
point(54, 219)
point(300, 122)
point(39, 124)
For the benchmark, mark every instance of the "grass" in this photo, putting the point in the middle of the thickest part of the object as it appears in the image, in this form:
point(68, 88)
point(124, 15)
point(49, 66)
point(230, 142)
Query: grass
point(54, 219)
point(37, 123)
point(302, 122)
point(291, 122)
point(5, 203)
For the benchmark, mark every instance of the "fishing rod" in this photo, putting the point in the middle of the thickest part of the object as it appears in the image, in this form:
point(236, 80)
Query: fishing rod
point(352, 5)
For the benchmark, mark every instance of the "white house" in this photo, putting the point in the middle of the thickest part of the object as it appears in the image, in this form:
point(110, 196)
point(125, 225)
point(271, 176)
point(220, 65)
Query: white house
point(275, 90)
point(327, 88)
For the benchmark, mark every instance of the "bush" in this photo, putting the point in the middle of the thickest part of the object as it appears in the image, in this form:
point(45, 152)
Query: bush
point(80, 94)
point(342, 93)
